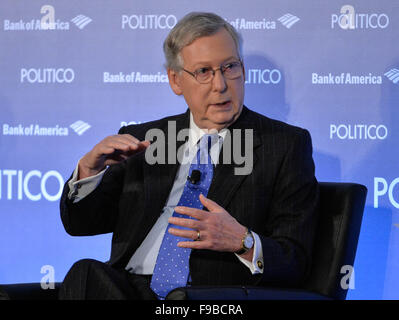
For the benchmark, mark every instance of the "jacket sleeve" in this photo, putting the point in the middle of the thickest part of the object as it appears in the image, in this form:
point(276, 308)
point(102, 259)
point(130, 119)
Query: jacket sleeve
point(97, 212)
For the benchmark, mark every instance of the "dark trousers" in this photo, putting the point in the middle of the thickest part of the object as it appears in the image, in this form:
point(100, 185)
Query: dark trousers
point(94, 280)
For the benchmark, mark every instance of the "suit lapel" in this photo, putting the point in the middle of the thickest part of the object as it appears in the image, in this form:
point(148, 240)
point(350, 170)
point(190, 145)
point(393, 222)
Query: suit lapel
point(225, 180)
point(159, 178)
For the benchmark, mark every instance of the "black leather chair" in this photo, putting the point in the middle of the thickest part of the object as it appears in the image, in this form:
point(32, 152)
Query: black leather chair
point(340, 215)
point(341, 210)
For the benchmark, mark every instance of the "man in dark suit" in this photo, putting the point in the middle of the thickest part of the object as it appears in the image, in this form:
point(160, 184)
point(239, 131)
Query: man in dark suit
point(254, 228)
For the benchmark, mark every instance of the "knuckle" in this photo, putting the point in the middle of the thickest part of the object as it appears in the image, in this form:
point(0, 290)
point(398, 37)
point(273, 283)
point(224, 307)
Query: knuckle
point(212, 243)
point(191, 223)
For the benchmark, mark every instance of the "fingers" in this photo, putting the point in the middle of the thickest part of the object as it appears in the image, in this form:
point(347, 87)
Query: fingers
point(218, 230)
point(200, 217)
point(196, 234)
point(209, 204)
point(192, 212)
point(109, 151)
point(192, 237)
point(114, 149)
point(199, 214)
point(189, 234)
point(133, 141)
point(194, 244)
point(125, 144)
point(186, 223)
point(186, 227)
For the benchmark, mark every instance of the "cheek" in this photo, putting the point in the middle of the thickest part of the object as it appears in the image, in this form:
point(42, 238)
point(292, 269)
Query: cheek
point(196, 99)
point(242, 94)
point(238, 94)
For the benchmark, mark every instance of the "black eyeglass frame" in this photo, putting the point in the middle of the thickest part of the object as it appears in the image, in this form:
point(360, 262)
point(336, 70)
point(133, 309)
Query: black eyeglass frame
point(221, 68)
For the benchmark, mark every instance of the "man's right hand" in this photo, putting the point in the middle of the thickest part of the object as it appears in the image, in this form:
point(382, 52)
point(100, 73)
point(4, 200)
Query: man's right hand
point(111, 150)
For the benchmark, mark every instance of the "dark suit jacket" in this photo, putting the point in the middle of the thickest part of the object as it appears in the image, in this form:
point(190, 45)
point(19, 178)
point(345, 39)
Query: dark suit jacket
point(277, 200)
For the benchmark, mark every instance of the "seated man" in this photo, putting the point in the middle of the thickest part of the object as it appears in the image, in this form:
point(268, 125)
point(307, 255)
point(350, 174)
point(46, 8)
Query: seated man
point(199, 217)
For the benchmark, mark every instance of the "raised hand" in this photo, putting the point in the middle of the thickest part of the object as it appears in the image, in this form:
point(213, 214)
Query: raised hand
point(111, 150)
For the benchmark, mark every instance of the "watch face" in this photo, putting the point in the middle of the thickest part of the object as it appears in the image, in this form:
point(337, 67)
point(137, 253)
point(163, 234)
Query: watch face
point(249, 242)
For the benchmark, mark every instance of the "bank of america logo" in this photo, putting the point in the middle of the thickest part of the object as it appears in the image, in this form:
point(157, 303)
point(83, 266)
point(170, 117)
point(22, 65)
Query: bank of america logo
point(80, 127)
point(81, 21)
point(393, 75)
point(288, 20)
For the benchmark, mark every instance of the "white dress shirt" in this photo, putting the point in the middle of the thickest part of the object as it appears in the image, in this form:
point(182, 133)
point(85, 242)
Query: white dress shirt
point(144, 259)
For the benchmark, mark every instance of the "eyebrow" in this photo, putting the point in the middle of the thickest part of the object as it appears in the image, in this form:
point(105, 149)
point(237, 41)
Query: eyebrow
point(207, 63)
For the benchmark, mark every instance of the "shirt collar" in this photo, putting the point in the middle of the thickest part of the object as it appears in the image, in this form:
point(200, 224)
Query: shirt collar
point(196, 133)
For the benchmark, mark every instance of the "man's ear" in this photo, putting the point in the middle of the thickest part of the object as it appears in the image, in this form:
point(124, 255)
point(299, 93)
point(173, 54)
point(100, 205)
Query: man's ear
point(175, 81)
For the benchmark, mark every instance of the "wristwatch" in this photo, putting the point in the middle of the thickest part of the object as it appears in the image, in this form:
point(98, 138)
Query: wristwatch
point(247, 242)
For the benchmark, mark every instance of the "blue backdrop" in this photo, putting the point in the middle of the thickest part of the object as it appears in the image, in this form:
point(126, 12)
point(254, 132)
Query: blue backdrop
point(73, 72)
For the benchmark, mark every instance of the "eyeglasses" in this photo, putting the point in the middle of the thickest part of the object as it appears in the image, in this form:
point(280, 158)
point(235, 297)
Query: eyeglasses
point(231, 70)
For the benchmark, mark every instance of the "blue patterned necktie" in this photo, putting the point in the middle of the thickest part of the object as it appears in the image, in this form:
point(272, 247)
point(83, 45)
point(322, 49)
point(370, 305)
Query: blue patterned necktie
point(172, 266)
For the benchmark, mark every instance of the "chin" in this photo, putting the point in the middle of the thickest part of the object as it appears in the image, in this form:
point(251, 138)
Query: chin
point(222, 118)
point(227, 115)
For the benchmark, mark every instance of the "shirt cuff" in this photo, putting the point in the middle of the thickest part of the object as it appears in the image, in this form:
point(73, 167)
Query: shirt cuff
point(256, 265)
point(79, 189)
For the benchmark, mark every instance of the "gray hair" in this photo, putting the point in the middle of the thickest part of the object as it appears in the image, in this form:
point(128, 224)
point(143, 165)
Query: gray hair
point(191, 27)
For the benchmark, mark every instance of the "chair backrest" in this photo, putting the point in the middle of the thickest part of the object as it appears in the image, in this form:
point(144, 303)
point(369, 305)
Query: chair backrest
point(340, 215)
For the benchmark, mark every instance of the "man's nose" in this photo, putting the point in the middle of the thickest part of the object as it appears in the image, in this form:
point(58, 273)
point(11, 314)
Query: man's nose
point(219, 82)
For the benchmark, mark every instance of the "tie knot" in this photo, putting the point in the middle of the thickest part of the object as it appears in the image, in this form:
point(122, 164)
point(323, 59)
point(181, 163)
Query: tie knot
point(208, 140)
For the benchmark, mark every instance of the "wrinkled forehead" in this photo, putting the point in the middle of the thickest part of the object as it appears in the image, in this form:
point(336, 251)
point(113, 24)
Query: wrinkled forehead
point(217, 47)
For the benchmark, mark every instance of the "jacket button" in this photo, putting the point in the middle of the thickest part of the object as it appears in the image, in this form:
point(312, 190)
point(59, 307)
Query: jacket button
point(260, 264)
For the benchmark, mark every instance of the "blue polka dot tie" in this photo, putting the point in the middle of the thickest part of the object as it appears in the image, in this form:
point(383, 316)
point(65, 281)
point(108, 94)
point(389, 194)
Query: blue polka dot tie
point(172, 266)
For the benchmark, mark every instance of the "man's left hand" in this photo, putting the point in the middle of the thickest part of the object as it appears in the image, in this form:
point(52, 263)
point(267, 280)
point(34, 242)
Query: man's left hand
point(218, 230)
